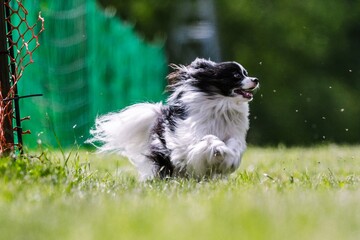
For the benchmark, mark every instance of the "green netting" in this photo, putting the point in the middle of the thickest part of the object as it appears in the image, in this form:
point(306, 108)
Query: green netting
point(89, 63)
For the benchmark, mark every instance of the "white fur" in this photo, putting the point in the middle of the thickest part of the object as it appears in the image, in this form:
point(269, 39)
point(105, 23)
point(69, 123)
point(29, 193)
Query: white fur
point(128, 133)
point(212, 126)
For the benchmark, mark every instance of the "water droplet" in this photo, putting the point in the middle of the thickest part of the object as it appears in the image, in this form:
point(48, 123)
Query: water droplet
point(350, 70)
point(323, 137)
point(296, 110)
point(274, 91)
point(330, 87)
point(323, 118)
point(341, 110)
point(260, 63)
point(74, 126)
point(346, 129)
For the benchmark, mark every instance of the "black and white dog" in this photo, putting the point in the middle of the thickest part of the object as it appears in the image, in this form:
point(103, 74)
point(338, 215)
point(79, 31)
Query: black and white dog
point(200, 132)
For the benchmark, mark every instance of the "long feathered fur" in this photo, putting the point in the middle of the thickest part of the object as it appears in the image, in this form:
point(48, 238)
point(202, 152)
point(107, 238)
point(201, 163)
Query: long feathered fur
point(128, 133)
point(200, 132)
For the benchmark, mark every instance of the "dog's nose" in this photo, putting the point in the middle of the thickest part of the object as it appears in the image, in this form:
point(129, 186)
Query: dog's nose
point(255, 80)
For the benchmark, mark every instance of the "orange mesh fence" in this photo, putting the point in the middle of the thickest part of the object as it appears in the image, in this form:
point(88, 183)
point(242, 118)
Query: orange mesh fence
point(19, 39)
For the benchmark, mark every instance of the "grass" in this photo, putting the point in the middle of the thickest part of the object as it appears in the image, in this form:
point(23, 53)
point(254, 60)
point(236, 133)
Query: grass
point(278, 193)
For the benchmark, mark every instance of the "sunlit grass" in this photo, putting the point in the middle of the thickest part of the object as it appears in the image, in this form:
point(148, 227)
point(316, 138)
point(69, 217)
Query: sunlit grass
point(278, 193)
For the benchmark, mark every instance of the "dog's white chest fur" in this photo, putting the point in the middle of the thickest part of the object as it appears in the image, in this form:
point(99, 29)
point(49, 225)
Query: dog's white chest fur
point(211, 125)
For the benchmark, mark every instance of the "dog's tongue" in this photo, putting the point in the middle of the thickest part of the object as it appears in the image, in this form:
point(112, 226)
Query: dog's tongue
point(247, 94)
point(244, 93)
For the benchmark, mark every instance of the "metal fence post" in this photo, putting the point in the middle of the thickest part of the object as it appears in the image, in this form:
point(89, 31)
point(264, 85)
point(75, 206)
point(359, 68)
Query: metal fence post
point(5, 81)
point(14, 79)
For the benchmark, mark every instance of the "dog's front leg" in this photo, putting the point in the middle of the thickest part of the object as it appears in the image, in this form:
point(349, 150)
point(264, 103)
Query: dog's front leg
point(234, 154)
point(207, 155)
point(211, 155)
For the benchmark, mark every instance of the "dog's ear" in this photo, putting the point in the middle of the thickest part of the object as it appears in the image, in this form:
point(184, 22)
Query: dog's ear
point(203, 68)
point(174, 76)
point(202, 64)
point(199, 69)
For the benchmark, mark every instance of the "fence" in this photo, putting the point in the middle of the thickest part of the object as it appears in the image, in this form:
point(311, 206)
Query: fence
point(18, 41)
point(89, 63)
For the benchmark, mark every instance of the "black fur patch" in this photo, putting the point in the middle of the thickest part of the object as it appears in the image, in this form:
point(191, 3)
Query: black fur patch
point(162, 161)
point(175, 112)
point(160, 154)
point(220, 78)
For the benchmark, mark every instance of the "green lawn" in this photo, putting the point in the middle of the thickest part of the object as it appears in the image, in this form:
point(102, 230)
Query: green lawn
point(278, 193)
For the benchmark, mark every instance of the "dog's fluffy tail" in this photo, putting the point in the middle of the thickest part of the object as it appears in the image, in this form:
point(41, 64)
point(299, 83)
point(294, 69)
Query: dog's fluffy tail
point(126, 132)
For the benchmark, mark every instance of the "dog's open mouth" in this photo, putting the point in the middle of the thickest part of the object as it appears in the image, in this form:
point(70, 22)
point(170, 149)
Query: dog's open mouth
point(248, 93)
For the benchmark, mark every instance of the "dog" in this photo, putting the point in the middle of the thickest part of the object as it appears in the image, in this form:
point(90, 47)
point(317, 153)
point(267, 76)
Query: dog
point(200, 132)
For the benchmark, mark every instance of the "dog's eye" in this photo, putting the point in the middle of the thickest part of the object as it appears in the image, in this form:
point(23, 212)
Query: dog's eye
point(237, 75)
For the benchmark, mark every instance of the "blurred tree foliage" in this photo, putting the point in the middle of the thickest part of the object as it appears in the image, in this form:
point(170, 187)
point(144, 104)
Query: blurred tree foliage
point(152, 18)
point(306, 54)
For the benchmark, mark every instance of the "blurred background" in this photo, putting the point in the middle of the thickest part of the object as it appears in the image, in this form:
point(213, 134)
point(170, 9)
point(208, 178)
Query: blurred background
point(100, 56)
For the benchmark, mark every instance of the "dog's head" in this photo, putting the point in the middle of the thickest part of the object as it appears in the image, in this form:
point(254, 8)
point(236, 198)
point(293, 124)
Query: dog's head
point(228, 79)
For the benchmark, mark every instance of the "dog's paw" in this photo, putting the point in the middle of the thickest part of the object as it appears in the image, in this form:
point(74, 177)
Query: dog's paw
point(216, 149)
point(220, 156)
point(211, 156)
point(230, 164)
